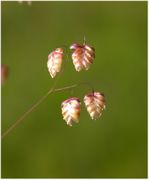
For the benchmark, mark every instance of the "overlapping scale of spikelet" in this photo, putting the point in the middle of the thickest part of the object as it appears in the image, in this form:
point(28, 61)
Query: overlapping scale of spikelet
point(71, 110)
point(95, 104)
point(82, 56)
point(55, 61)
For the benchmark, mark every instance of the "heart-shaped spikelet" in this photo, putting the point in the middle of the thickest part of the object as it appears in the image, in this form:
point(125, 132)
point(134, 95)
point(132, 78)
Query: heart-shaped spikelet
point(95, 104)
point(82, 56)
point(55, 61)
point(71, 110)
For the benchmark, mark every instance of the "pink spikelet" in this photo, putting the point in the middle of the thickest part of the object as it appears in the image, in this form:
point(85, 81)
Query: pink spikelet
point(95, 104)
point(55, 61)
point(82, 56)
point(71, 110)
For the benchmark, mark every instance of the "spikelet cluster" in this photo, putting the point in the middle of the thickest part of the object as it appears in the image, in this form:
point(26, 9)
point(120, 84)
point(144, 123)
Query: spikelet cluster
point(55, 61)
point(95, 103)
point(82, 56)
point(71, 110)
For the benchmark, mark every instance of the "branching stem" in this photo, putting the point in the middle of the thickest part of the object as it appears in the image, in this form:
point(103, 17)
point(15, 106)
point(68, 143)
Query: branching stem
point(20, 119)
point(52, 90)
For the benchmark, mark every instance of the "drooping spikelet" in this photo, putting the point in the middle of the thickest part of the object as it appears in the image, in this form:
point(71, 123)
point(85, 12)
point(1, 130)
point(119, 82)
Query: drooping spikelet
point(82, 56)
point(95, 103)
point(55, 61)
point(28, 2)
point(4, 73)
point(71, 110)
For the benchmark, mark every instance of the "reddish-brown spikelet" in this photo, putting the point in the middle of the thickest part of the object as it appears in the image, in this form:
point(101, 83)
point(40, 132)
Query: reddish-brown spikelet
point(4, 73)
point(55, 61)
point(71, 110)
point(95, 103)
point(82, 56)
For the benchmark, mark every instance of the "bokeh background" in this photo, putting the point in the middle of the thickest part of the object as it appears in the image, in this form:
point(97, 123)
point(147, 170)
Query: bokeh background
point(43, 146)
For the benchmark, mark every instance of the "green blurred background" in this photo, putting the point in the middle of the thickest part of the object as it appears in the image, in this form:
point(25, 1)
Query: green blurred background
point(43, 146)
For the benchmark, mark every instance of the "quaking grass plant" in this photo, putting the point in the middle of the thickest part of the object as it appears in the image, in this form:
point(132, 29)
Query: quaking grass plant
point(83, 56)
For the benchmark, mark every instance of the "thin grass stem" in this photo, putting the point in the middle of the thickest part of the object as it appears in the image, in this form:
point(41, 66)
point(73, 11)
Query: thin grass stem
point(20, 119)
